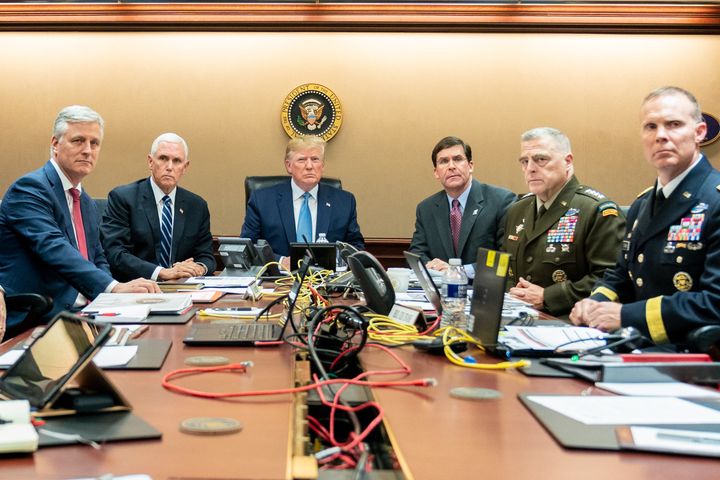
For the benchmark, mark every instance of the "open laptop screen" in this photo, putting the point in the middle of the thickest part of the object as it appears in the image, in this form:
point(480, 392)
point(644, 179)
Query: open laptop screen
point(52, 360)
point(425, 279)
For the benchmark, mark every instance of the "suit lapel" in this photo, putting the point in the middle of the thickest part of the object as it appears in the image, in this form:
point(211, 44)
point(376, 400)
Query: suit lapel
point(286, 212)
point(473, 210)
point(61, 199)
point(324, 207)
point(178, 223)
point(442, 223)
point(150, 210)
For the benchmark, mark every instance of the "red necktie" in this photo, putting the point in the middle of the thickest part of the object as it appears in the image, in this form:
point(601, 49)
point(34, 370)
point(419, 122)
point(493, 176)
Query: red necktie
point(455, 222)
point(78, 223)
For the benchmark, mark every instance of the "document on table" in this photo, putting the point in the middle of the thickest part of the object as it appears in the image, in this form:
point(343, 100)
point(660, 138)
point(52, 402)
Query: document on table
point(602, 410)
point(217, 281)
point(115, 356)
point(10, 357)
point(412, 299)
point(670, 440)
point(549, 338)
point(659, 389)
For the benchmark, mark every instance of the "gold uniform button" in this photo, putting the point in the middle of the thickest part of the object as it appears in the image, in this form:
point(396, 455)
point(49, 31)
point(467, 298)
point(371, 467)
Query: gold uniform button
point(529, 259)
point(679, 259)
point(641, 258)
point(557, 259)
point(639, 282)
point(528, 278)
point(630, 274)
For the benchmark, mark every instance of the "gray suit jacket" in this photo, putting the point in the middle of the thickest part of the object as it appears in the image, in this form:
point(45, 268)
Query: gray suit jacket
point(482, 224)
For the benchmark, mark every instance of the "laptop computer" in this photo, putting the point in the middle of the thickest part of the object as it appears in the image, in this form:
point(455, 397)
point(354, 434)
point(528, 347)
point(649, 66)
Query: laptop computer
point(248, 334)
point(432, 293)
point(486, 306)
point(323, 254)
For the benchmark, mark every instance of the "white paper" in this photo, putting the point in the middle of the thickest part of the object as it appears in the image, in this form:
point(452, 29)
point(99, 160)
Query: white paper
point(658, 389)
point(672, 440)
point(410, 296)
point(10, 357)
point(548, 338)
point(122, 314)
point(216, 281)
point(159, 303)
point(115, 356)
point(612, 410)
point(425, 306)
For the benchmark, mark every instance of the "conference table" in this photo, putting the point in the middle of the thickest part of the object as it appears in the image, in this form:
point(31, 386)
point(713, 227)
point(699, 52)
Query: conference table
point(434, 436)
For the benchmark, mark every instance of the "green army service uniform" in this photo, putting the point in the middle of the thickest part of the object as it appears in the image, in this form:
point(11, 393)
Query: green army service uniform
point(568, 248)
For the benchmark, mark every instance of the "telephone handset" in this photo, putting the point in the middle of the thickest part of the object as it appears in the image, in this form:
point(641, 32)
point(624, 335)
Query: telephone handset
point(374, 282)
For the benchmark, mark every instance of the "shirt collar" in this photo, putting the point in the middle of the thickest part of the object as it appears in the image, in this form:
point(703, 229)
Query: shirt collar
point(298, 192)
point(462, 198)
point(66, 183)
point(539, 203)
point(159, 194)
point(672, 184)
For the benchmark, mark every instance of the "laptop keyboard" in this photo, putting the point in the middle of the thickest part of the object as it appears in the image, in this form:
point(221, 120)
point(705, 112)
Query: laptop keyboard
point(249, 331)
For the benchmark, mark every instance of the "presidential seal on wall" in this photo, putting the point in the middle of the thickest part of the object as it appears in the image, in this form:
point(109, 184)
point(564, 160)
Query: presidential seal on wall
point(311, 109)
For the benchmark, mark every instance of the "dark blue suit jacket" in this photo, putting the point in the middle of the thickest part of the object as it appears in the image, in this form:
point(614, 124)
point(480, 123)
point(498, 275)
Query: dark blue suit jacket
point(38, 251)
point(130, 231)
point(669, 287)
point(270, 216)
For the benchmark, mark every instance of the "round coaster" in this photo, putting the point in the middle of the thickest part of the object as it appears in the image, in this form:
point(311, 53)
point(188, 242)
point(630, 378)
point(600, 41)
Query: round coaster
point(206, 361)
point(210, 425)
point(475, 393)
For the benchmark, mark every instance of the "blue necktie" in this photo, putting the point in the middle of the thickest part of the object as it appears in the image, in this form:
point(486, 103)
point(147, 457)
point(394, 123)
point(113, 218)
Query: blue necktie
point(303, 231)
point(166, 231)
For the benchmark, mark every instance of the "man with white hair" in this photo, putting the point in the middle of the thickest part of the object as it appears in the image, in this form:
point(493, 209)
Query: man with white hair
point(154, 228)
point(49, 227)
point(562, 235)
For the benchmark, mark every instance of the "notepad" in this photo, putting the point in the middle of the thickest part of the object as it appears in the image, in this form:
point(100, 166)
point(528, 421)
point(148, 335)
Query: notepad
point(18, 434)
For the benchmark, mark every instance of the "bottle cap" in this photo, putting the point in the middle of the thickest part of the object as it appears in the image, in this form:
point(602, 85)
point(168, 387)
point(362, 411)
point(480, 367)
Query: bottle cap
point(455, 262)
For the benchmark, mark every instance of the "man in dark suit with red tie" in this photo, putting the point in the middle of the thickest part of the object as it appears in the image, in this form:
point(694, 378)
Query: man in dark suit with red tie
point(48, 224)
point(462, 217)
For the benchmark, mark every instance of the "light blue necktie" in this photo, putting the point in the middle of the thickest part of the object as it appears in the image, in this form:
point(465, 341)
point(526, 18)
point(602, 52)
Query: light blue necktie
point(166, 230)
point(303, 231)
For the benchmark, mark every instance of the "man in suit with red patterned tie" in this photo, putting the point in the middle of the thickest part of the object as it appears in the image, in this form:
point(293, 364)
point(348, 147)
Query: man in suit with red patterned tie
point(49, 225)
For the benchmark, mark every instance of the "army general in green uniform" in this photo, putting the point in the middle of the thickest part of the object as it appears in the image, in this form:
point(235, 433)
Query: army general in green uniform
point(562, 235)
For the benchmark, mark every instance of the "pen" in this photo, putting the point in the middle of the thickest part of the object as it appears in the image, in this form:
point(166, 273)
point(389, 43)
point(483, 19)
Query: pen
point(688, 438)
point(139, 332)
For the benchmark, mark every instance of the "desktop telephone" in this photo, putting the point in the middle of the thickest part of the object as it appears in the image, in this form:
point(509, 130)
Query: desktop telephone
point(374, 282)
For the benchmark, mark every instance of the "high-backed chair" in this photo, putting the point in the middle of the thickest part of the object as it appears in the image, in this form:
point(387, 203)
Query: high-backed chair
point(259, 182)
point(35, 305)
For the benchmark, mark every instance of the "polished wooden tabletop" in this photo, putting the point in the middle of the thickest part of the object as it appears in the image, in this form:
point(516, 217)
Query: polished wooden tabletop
point(439, 436)
point(436, 436)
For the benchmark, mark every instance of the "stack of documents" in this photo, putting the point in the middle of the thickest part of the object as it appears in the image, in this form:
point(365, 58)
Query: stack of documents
point(158, 303)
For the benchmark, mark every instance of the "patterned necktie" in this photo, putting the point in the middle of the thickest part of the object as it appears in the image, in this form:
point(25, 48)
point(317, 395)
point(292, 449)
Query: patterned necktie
point(303, 231)
point(166, 231)
point(78, 223)
point(455, 222)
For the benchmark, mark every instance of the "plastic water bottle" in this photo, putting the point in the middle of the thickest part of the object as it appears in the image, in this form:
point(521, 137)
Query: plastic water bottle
point(454, 296)
point(340, 265)
point(322, 238)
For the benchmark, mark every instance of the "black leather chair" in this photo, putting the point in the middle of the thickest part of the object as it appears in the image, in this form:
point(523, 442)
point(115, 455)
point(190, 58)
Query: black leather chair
point(101, 204)
point(259, 182)
point(35, 305)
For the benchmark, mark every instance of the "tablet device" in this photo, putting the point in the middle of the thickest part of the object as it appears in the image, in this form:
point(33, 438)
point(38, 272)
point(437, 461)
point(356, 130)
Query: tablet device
point(53, 359)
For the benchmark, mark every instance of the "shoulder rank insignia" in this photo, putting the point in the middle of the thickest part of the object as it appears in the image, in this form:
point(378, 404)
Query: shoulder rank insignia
point(530, 194)
point(650, 188)
point(593, 193)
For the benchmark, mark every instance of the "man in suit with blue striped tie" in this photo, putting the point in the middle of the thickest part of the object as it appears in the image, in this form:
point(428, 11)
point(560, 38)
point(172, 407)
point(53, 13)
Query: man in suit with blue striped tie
point(154, 228)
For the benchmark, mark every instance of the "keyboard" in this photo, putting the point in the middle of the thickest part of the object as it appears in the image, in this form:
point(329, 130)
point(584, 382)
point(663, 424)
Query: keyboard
point(249, 331)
